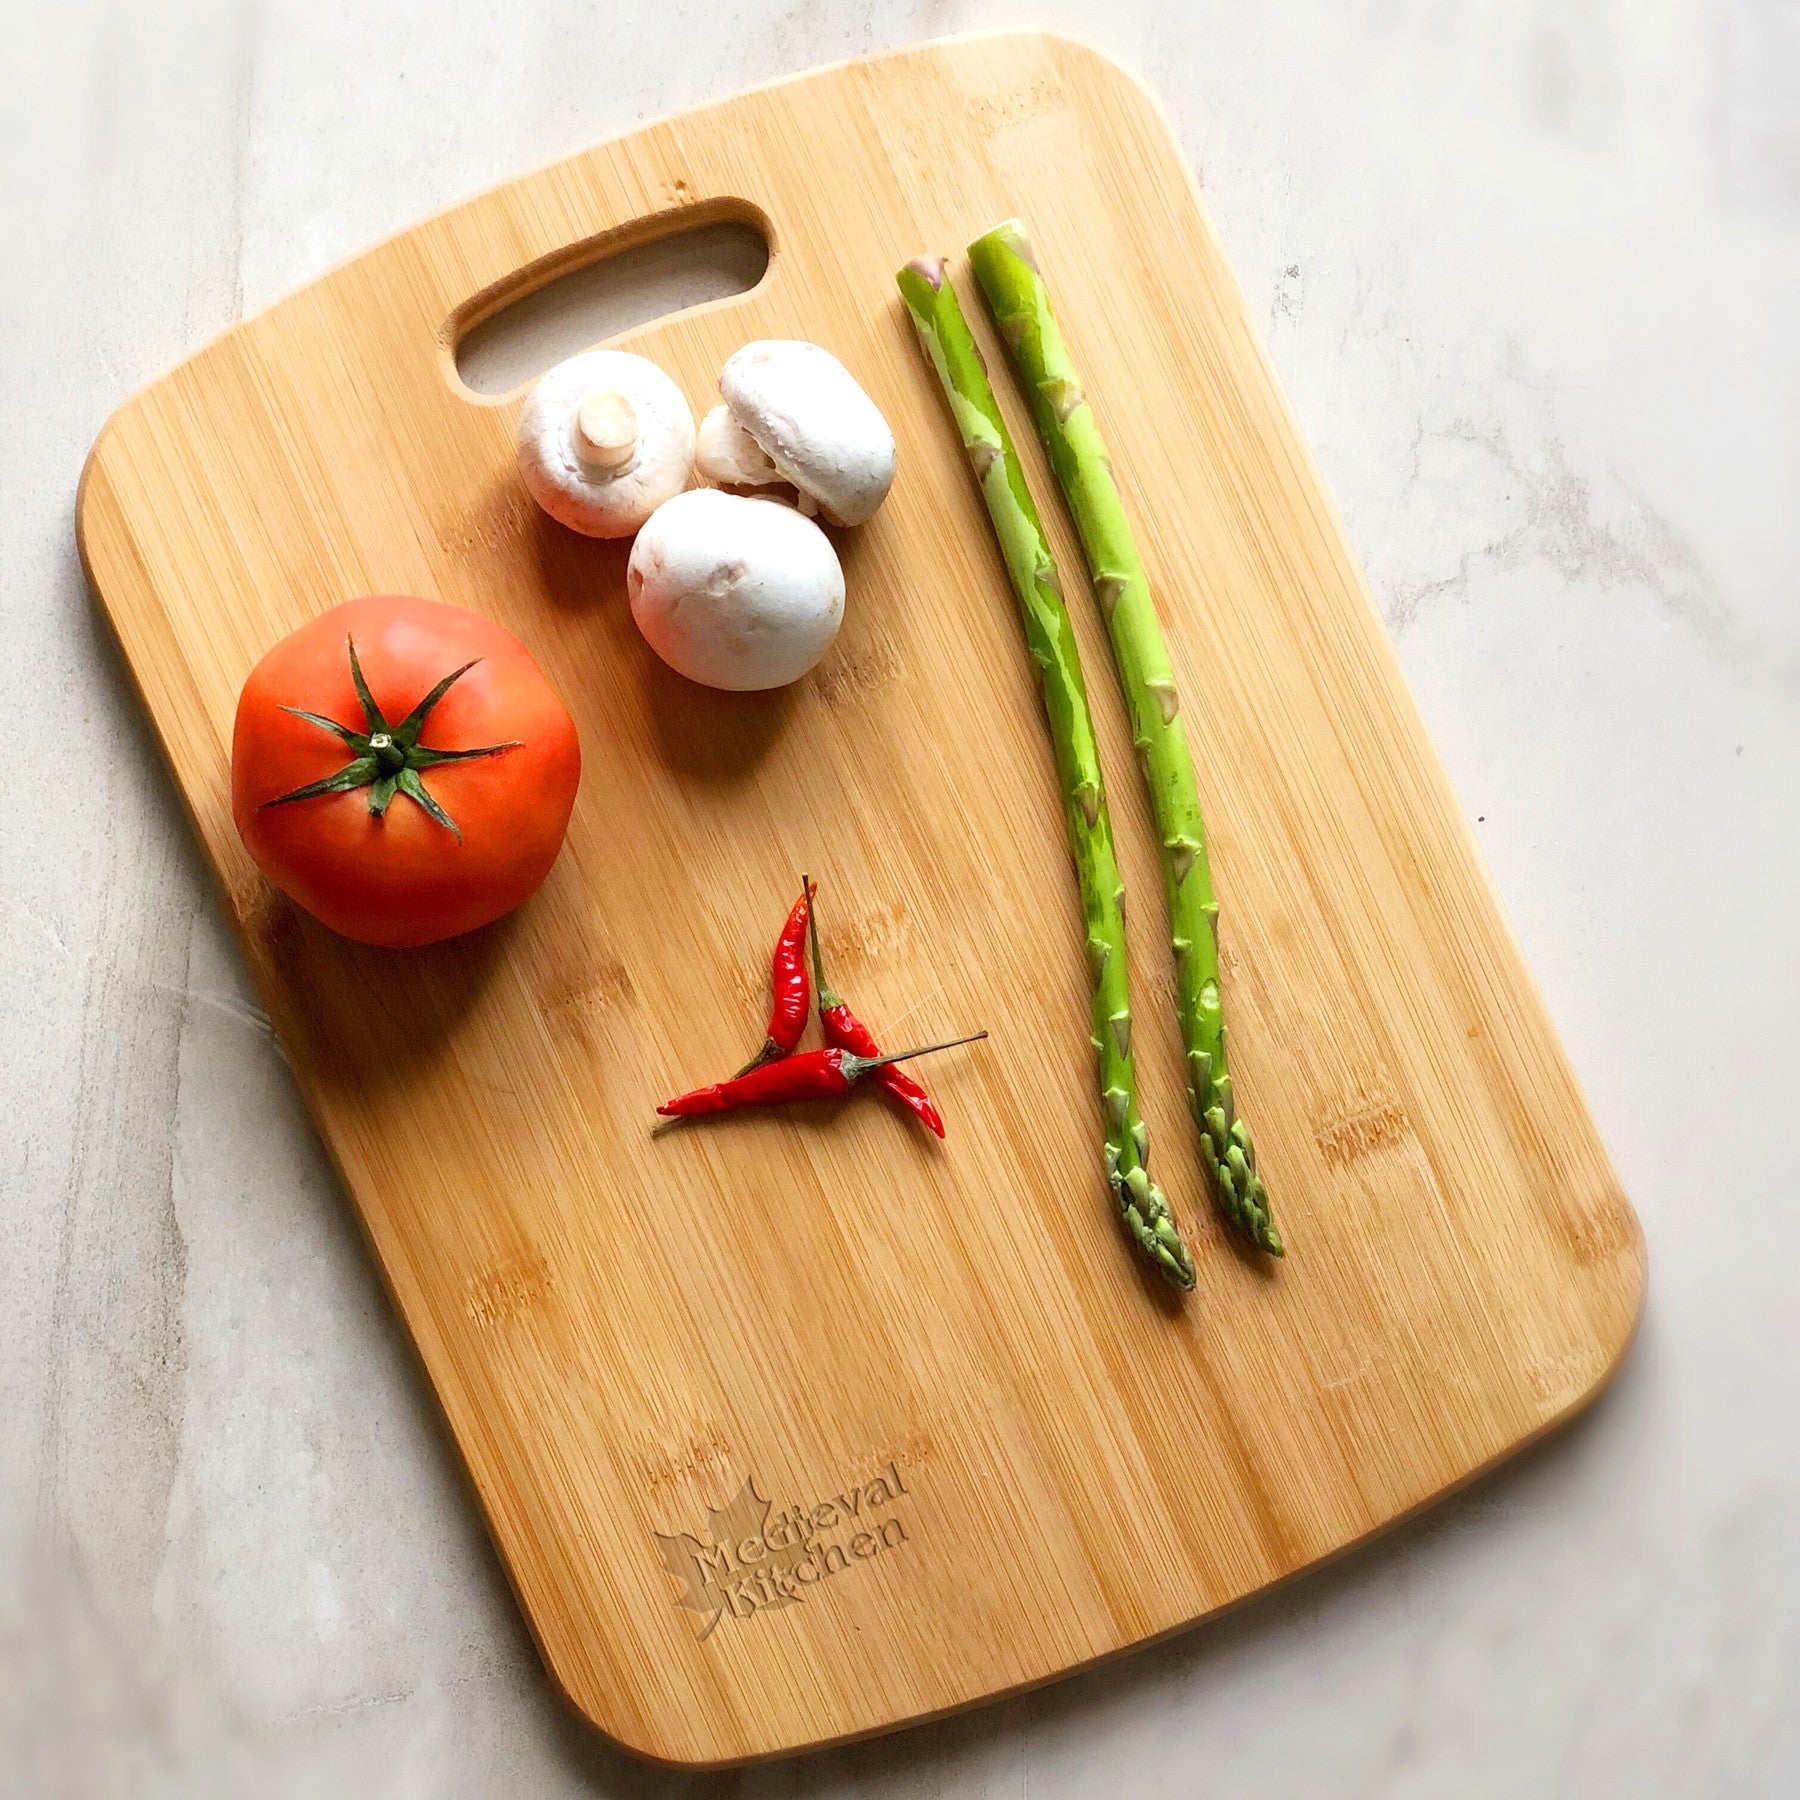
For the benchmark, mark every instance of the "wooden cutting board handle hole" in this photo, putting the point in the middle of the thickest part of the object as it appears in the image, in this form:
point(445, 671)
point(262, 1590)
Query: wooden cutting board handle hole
point(576, 298)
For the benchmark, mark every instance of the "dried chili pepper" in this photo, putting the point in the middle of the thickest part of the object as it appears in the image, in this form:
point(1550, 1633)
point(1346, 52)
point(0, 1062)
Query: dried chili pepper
point(792, 998)
point(845, 1031)
point(811, 1075)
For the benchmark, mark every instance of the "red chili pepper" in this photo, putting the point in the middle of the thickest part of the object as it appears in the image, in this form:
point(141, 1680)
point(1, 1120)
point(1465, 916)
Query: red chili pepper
point(812, 1075)
point(793, 999)
point(845, 1031)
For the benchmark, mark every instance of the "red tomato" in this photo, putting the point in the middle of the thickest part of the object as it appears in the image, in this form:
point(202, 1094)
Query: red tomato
point(495, 758)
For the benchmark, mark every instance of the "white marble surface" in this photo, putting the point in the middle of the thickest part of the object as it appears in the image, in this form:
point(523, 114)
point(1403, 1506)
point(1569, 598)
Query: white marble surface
point(1531, 271)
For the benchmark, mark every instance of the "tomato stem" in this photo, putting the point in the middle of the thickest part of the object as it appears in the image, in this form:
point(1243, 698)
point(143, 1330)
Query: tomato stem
point(389, 756)
point(387, 759)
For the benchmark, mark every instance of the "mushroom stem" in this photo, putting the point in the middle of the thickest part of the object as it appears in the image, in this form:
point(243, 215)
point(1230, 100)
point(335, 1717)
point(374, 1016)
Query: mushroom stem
point(725, 453)
point(605, 429)
point(603, 440)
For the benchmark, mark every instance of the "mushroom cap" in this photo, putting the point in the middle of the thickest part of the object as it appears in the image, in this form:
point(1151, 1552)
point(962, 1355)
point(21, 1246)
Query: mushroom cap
point(595, 501)
point(815, 424)
point(735, 593)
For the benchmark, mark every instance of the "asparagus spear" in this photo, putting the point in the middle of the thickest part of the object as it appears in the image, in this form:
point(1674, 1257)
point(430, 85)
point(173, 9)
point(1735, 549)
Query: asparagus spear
point(1050, 638)
point(1020, 304)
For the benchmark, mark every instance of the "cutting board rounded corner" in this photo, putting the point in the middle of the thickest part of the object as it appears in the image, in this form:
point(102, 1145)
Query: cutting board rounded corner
point(93, 469)
point(1630, 1276)
point(1072, 51)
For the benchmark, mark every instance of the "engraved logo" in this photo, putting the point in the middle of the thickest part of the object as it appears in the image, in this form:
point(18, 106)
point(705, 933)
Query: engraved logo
point(755, 1557)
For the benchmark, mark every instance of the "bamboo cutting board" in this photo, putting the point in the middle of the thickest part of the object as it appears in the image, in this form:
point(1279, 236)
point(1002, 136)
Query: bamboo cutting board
point(925, 1387)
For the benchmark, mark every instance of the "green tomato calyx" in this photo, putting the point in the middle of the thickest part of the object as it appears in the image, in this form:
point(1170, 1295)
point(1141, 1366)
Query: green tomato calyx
point(387, 759)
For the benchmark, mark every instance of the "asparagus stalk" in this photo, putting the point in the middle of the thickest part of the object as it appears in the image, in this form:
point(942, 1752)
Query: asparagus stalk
point(1050, 638)
point(1020, 304)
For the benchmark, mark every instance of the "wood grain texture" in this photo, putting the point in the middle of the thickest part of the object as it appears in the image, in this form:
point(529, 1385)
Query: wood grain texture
point(623, 1331)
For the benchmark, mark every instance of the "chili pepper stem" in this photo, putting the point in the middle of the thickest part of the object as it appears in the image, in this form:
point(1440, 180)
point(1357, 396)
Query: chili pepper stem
point(863, 1064)
point(824, 995)
point(767, 1054)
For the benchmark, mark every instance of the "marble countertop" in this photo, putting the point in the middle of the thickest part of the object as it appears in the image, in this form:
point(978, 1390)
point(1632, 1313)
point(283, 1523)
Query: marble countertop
point(1530, 273)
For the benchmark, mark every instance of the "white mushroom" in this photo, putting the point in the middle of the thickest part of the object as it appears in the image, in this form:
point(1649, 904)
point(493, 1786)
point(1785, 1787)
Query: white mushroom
point(735, 593)
point(802, 411)
point(605, 439)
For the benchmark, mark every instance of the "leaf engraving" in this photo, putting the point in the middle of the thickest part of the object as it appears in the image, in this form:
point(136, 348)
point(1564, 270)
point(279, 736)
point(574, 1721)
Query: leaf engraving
point(741, 1570)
